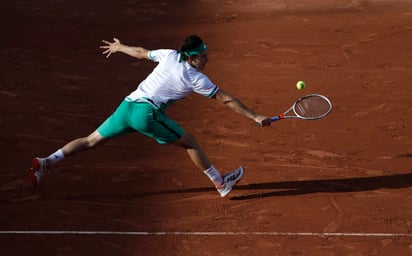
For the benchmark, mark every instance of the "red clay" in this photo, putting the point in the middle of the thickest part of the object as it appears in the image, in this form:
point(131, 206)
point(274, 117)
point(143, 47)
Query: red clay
point(347, 173)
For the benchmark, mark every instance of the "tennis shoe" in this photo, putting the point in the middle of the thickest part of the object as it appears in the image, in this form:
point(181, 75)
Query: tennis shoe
point(37, 171)
point(229, 181)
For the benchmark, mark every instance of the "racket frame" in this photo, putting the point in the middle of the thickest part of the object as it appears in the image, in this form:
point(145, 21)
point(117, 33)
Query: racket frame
point(292, 108)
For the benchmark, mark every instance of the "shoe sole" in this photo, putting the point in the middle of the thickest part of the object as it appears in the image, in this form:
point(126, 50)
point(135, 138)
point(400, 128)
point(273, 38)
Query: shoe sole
point(230, 189)
point(32, 178)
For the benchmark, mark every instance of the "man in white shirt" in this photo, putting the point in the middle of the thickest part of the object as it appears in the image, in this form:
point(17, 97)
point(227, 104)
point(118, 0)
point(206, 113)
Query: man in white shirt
point(176, 75)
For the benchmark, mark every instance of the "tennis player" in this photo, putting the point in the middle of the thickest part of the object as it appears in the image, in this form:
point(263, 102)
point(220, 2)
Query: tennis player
point(177, 74)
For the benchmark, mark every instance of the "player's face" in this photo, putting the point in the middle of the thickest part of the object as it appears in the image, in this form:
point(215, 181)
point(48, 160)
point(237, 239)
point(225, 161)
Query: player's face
point(199, 61)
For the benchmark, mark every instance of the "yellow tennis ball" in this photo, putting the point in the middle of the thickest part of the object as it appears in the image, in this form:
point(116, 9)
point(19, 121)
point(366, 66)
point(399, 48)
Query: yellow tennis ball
point(300, 85)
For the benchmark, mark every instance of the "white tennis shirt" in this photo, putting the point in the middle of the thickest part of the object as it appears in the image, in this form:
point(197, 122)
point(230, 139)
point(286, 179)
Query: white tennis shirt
point(171, 80)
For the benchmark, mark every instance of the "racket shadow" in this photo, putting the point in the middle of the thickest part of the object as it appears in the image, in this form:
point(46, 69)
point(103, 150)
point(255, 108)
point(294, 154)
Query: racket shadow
point(405, 155)
point(292, 188)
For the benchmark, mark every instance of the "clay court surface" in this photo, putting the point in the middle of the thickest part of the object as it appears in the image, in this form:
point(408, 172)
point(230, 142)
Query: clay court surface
point(337, 186)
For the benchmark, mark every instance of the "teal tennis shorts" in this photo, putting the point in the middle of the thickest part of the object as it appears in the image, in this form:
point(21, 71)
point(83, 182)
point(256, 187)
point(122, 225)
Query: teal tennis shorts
point(141, 117)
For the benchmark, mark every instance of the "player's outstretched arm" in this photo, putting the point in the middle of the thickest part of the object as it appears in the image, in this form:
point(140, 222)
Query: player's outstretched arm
point(237, 106)
point(117, 46)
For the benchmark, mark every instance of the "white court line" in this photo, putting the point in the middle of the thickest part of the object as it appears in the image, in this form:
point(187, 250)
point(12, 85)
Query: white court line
point(197, 233)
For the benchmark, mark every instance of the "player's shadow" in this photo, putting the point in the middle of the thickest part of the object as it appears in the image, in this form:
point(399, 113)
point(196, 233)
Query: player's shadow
point(291, 188)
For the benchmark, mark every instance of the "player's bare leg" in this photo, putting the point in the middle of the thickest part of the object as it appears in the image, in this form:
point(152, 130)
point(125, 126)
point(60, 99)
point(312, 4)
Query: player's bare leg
point(85, 143)
point(196, 153)
point(41, 165)
point(224, 184)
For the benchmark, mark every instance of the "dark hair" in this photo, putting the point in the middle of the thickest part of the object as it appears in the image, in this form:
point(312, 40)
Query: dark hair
point(190, 43)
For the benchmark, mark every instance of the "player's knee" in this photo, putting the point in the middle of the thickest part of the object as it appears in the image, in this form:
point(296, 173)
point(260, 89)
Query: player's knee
point(94, 140)
point(188, 140)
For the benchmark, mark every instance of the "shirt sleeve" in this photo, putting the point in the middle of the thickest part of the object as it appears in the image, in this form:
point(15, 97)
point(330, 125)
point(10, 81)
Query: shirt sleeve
point(158, 55)
point(205, 87)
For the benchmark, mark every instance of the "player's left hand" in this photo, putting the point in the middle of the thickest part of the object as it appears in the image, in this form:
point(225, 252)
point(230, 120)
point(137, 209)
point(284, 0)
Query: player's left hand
point(111, 47)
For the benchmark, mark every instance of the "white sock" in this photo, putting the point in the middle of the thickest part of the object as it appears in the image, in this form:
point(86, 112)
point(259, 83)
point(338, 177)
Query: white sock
point(214, 175)
point(54, 158)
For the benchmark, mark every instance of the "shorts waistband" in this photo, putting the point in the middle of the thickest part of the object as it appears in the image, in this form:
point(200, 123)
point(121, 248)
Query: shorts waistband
point(143, 100)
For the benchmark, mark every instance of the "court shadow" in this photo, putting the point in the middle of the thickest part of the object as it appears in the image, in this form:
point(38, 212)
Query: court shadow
point(405, 155)
point(291, 188)
point(278, 189)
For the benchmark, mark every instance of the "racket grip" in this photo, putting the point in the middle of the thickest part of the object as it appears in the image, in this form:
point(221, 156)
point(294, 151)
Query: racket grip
point(275, 118)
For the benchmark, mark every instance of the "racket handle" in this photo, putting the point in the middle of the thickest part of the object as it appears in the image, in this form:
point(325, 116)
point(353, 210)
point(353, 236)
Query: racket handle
point(276, 118)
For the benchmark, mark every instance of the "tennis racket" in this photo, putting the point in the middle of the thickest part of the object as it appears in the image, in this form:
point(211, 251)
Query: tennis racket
point(309, 107)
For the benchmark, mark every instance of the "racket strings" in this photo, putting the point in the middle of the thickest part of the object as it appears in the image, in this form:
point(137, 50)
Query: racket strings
point(312, 107)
